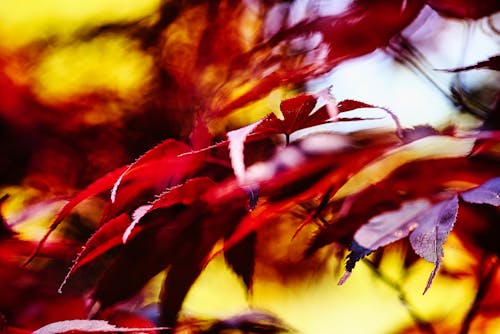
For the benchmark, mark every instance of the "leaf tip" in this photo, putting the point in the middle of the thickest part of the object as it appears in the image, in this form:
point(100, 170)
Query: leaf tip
point(344, 278)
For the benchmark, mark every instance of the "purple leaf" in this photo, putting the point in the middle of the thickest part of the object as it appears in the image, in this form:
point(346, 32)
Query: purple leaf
point(487, 193)
point(434, 227)
point(384, 229)
point(390, 226)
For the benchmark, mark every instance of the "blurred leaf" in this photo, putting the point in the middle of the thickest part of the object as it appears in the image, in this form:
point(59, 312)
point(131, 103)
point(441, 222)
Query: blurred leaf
point(88, 326)
point(487, 193)
point(493, 63)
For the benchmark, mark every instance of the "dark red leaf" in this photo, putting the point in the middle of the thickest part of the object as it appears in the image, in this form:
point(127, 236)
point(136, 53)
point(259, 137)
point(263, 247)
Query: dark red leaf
point(302, 182)
point(139, 260)
point(297, 115)
point(344, 36)
point(161, 167)
point(418, 132)
point(163, 230)
point(100, 185)
point(465, 9)
point(241, 259)
point(403, 184)
point(108, 236)
point(196, 243)
point(200, 137)
point(478, 227)
point(5, 230)
point(184, 194)
point(348, 105)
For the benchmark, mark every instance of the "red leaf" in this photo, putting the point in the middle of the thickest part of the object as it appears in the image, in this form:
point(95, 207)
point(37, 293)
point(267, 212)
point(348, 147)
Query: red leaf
point(301, 182)
point(465, 9)
point(197, 242)
point(348, 105)
point(344, 37)
point(297, 115)
point(100, 185)
point(433, 229)
point(184, 194)
point(241, 259)
point(403, 184)
point(106, 238)
point(200, 137)
point(163, 166)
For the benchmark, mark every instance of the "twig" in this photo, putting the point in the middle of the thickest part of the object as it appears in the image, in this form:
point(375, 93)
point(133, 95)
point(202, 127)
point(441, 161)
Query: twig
point(486, 274)
point(422, 324)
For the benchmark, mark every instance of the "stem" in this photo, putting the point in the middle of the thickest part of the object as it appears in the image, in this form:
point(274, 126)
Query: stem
point(485, 280)
point(423, 325)
point(287, 139)
point(460, 93)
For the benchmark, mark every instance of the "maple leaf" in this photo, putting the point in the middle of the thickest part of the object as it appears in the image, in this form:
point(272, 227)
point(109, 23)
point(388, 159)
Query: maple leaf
point(154, 234)
point(298, 113)
point(384, 229)
point(290, 183)
point(374, 194)
point(108, 236)
point(487, 193)
point(161, 167)
point(464, 9)
point(89, 326)
point(99, 186)
point(184, 194)
point(344, 36)
point(428, 227)
point(241, 258)
point(434, 227)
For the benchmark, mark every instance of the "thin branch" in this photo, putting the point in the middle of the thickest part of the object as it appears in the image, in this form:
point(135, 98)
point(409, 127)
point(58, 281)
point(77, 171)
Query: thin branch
point(406, 53)
point(423, 325)
point(486, 273)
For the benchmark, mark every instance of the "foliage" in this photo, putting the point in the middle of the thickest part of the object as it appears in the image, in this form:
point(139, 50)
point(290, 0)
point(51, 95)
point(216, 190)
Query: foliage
point(206, 191)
